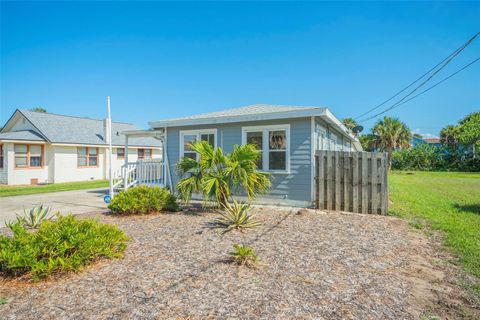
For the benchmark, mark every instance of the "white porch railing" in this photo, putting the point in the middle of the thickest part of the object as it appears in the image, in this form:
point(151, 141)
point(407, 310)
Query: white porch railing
point(145, 172)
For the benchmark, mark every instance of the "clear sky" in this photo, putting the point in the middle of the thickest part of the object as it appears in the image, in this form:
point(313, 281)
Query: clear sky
point(160, 60)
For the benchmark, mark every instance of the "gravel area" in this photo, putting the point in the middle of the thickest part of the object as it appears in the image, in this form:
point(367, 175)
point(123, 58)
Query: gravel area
point(314, 265)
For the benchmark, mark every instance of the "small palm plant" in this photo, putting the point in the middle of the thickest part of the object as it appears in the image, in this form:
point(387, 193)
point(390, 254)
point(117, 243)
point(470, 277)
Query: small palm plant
point(217, 175)
point(236, 216)
point(35, 216)
point(244, 255)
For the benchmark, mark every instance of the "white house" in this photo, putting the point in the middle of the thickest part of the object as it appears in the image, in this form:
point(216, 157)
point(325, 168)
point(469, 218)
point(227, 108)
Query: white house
point(40, 147)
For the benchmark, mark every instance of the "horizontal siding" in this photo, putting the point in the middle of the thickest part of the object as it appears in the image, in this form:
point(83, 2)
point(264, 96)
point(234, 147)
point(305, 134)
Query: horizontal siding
point(329, 130)
point(295, 186)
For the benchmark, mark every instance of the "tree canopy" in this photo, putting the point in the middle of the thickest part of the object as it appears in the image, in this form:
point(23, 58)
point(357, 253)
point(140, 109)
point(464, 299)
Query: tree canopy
point(39, 109)
point(449, 136)
point(466, 132)
point(469, 128)
point(350, 123)
point(391, 134)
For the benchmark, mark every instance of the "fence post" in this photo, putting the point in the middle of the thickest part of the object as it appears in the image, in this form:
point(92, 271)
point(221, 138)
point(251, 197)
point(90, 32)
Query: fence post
point(355, 186)
point(329, 180)
point(374, 183)
point(364, 183)
point(384, 187)
point(346, 181)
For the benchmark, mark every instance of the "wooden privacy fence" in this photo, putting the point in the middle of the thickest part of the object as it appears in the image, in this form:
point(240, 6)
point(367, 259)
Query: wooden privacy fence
point(351, 181)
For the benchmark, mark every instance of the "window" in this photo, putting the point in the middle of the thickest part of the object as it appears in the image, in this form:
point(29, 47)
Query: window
point(333, 142)
point(120, 153)
point(28, 156)
point(320, 140)
point(35, 156)
point(274, 144)
point(1, 156)
point(144, 154)
point(87, 157)
point(189, 137)
point(256, 138)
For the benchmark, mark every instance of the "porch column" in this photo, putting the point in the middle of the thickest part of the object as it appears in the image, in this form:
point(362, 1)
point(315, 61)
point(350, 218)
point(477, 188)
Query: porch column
point(125, 169)
point(164, 165)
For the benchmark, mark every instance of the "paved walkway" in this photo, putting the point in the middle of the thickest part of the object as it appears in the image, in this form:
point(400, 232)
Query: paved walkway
point(77, 201)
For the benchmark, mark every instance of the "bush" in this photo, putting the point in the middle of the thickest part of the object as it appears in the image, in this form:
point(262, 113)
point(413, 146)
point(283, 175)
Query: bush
point(236, 217)
point(431, 158)
point(65, 244)
point(143, 200)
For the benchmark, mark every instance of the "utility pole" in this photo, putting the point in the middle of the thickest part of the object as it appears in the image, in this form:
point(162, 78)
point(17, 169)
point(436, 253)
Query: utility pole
point(109, 137)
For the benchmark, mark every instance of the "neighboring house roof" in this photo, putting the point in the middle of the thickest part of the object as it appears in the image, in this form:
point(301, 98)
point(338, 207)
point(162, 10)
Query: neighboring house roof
point(256, 112)
point(27, 135)
point(432, 140)
point(57, 128)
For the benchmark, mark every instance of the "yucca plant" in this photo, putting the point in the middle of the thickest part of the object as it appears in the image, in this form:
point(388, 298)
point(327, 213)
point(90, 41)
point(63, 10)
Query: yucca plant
point(236, 216)
point(35, 216)
point(244, 255)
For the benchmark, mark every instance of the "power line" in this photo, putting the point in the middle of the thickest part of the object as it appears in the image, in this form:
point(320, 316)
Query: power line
point(446, 61)
point(424, 91)
point(443, 80)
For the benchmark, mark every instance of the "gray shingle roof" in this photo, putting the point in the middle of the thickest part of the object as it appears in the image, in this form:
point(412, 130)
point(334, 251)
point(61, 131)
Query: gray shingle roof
point(76, 130)
point(27, 135)
point(247, 110)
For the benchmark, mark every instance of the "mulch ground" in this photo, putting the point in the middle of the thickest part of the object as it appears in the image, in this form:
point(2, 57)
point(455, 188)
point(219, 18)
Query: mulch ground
point(314, 265)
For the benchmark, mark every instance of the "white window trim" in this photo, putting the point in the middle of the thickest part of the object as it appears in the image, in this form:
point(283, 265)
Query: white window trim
point(333, 141)
point(265, 151)
point(320, 132)
point(197, 133)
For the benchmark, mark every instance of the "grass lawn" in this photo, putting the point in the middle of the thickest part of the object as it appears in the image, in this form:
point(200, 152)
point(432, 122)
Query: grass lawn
point(7, 191)
point(446, 201)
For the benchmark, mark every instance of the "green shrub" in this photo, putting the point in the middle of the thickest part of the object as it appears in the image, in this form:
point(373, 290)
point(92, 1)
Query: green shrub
point(61, 245)
point(244, 255)
point(35, 216)
point(430, 158)
point(143, 200)
point(236, 217)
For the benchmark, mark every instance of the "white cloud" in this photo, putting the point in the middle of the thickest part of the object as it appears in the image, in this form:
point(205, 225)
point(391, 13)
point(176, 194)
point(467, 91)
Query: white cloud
point(424, 135)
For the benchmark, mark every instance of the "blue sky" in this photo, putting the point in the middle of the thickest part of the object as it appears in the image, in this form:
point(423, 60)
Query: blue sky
point(160, 60)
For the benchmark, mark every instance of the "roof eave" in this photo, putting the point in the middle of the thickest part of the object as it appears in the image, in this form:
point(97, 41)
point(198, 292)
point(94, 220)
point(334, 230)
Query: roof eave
point(156, 134)
point(242, 118)
point(22, 141)
point(330, 118)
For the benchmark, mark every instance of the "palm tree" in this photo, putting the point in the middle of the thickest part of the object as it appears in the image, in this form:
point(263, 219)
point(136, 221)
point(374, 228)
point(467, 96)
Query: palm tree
point(368, 142)
point(449, 136)
point(350, 123)
point(217, 176)
point(391, 134)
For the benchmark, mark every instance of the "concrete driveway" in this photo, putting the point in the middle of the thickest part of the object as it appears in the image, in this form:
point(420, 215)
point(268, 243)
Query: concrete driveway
point(77, 201)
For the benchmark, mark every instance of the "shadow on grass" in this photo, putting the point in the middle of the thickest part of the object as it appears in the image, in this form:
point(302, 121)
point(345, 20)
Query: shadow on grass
point(473, 208)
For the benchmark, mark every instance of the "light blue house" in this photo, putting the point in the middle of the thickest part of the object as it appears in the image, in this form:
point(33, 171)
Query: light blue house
point(287, 135)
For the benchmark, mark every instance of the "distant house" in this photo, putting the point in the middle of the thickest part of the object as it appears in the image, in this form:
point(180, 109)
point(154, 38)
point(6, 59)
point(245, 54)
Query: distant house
point(287, 135)
point(435, 142)
point(50, 148)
